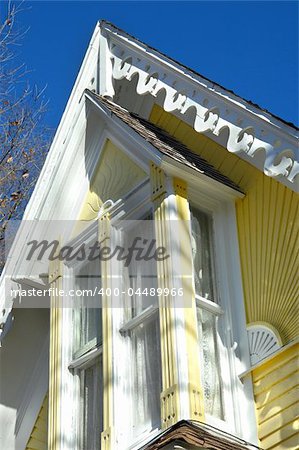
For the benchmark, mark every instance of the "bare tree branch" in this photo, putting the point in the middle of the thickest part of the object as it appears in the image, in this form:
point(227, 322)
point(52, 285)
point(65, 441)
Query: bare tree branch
point(24, 139)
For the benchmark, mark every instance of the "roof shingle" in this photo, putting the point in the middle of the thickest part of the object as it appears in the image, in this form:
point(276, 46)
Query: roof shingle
point(163, 142)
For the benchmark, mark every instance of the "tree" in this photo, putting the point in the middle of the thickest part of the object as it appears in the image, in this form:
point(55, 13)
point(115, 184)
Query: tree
point(24, 139)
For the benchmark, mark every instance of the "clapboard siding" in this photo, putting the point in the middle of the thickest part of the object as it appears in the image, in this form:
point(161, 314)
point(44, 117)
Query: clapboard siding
point(39, 436)
point(276, 390)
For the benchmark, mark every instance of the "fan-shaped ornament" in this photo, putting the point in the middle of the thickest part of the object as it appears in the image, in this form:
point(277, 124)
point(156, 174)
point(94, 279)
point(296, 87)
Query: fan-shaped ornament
point(263, 341)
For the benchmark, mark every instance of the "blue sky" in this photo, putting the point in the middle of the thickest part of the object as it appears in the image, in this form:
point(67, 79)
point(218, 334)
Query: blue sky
point(249, 47)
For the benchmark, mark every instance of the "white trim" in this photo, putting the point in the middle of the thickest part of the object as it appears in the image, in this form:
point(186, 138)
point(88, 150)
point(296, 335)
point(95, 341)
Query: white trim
point(228, 272)
point(142, 317)
point(132, 207)
point(200, 183)
point(68, 383)
point(250, 128)
point(208, 305)
point(81, 361)
point(178, 310)
point(268, 358)
point(126, 139)
point(237, 338)
point(143, 440)
point(71, 110)
point(105, 87)
point(120, 37)
point(263, 340)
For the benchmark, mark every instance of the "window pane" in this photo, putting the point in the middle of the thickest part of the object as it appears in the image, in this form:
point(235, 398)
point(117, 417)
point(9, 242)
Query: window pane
point(141, 273)
point(146, 372)
point(210, 367)
point(202, 251)
point(87, 317)
point(142, 279)
point(91, 396)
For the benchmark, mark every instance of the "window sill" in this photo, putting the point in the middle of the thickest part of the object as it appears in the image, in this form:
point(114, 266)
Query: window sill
point(80, 361)
point(143, 439)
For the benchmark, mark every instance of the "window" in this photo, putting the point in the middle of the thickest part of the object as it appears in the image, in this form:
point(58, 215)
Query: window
point(141, 331)
point(87, 315)
point(90, 413)
point(209, 311)
point(86, 364)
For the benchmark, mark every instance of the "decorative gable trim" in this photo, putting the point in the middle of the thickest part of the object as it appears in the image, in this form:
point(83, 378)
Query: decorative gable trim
point(254, 135)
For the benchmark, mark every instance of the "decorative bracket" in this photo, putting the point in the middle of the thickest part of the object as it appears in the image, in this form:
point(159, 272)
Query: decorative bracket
point(158, 182)
point(242, 128)
point(196, 402)
point(169, 406)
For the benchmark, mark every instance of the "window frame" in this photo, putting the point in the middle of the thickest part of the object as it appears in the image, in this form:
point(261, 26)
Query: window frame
point(97, 341)
point(91, 358)
point(83, 358)
point(135, 205)
point(235, 352)
point(220, 308)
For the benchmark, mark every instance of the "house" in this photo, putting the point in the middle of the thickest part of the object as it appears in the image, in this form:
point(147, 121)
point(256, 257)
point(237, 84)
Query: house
point(194, 347)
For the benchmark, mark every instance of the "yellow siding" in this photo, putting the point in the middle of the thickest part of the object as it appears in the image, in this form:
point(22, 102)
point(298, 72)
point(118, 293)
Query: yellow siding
point(39, 436)
point(268, 230)
point(268, 235)
point(276, 392)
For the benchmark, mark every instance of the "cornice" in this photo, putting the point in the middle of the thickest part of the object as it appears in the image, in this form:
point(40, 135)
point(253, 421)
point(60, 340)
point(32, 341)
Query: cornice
point(254, 135)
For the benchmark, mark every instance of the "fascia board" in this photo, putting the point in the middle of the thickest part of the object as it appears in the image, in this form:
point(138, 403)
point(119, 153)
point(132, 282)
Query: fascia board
point(58, 143)
point(11, 260)
point(32, 213)
point(199, 181)
point(126, 136)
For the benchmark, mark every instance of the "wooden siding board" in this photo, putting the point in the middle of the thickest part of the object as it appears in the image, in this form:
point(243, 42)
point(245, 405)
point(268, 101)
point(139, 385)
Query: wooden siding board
point(278, 421)
point(292, 443)
point(276, 439)
point(279, 374)
point(36, 445)
point(39, 436)
point(276, 362)
point(277, 390)
point(278, 405)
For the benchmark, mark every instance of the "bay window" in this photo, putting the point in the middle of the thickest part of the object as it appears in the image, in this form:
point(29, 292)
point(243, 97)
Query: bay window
point(135, 328)
point(90, 412)
point(87, 312)
point(86, 363)
point(211, 320)
point(145, 377)
point(140, 329)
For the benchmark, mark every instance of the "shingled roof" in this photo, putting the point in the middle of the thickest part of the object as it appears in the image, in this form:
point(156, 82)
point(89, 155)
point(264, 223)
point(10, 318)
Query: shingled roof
point(162, 141)
point(200, 435)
